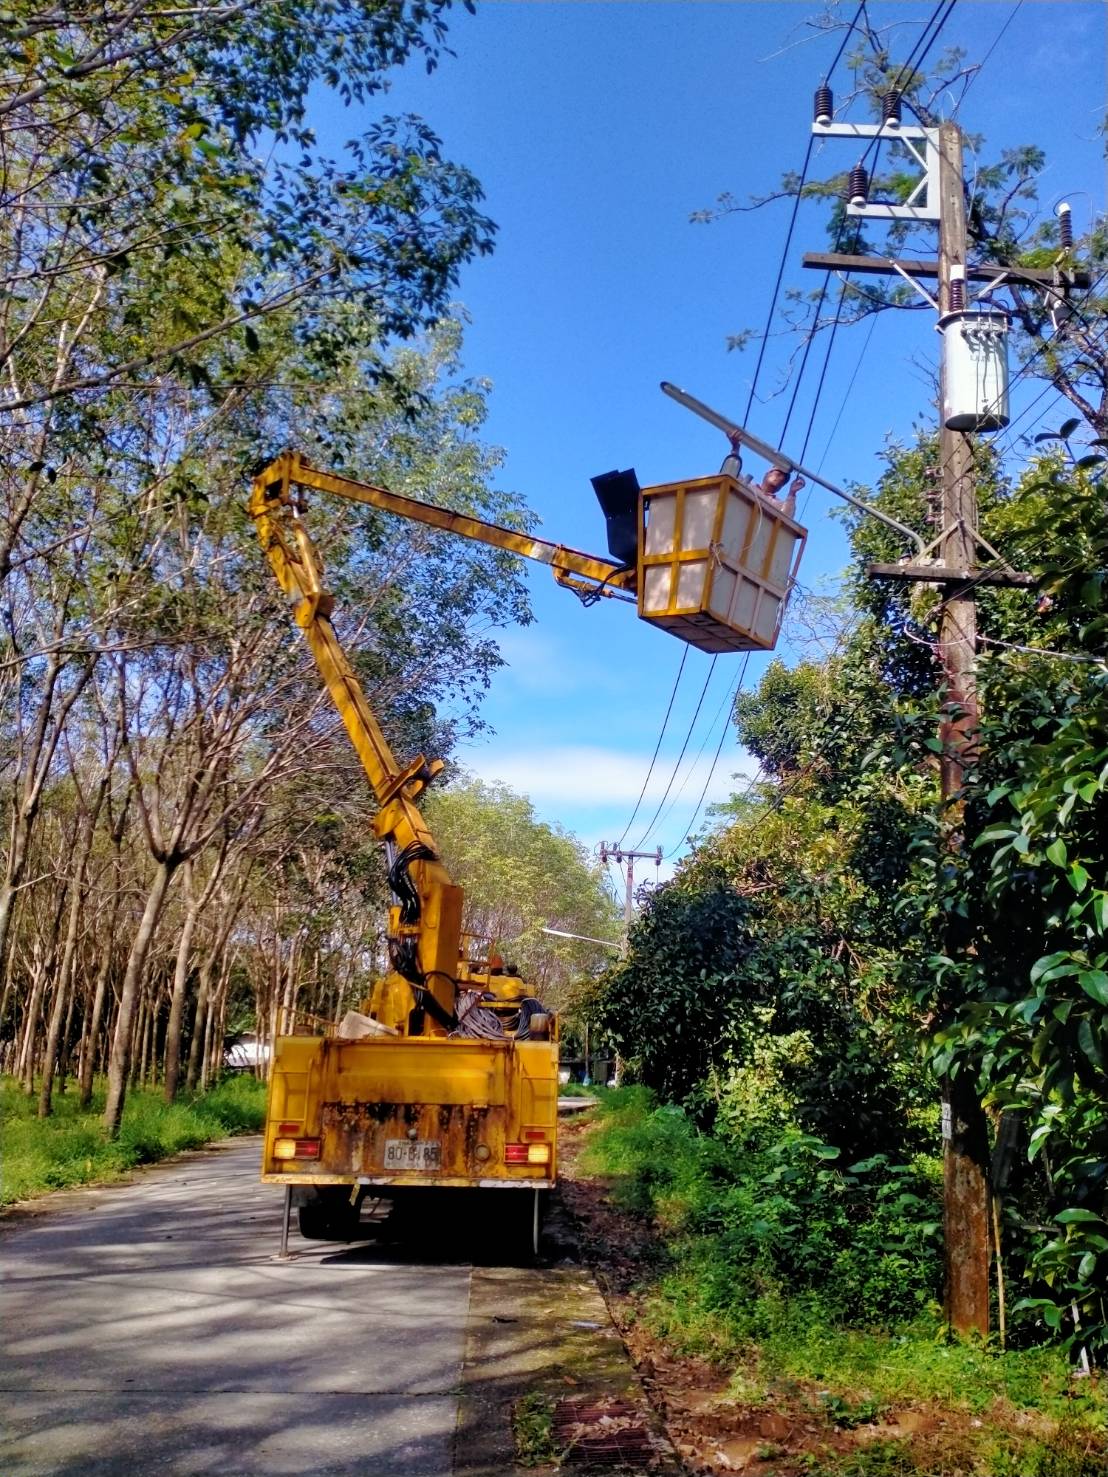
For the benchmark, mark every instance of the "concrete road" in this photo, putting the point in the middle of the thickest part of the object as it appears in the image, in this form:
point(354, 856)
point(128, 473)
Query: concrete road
point(149, 1329)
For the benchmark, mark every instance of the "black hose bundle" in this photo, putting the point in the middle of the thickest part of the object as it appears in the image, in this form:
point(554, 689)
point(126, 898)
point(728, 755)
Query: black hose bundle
point(404, 951)
point(400, 879)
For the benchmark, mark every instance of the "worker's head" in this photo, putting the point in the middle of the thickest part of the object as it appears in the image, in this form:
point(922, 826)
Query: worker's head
point(775, 479)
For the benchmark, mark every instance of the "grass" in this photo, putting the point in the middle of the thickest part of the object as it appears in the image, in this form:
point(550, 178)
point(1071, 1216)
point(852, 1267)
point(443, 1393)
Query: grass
point(751, 1278)
point(533, 1430)
point(578, 1089)
point(71, 1148)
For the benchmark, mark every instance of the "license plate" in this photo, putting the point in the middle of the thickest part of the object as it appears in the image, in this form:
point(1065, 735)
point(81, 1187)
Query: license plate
point(413, 1153)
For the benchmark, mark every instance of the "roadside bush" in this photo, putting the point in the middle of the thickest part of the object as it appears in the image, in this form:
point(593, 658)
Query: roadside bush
point(750, 1229)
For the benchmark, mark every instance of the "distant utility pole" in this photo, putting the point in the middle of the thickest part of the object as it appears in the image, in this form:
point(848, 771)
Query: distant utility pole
point(613, 852)
point(951, 561)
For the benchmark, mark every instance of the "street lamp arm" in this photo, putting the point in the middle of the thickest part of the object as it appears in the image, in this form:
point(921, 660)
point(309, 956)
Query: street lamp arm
point(786, 463)
point(584, 938)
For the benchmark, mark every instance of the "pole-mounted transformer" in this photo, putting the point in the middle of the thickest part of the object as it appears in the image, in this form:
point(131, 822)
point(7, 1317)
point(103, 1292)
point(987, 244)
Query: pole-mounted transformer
point(975, 362)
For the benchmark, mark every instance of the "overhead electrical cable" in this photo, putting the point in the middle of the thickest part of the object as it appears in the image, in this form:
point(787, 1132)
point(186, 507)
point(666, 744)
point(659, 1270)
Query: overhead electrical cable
point(724, 711)
point(732, 694)
point(934, 26)
point(673, 774)
point(981, 64)
point(789, 233)
point(749, 404)
point(657, 746)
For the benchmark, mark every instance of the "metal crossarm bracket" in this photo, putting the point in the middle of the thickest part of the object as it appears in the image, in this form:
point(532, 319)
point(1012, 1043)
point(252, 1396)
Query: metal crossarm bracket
point(923, 145)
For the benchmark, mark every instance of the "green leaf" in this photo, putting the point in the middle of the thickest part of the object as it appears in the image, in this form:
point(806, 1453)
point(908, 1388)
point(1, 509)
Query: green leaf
point(1088, 1042)
point(1056, 853)
point(1079, 878)
point(1077, 1216)
point(1038, 1140)
point(1095, 983)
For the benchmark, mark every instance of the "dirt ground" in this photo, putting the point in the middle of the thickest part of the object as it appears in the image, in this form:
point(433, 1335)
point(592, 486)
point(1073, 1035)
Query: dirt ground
point(781, 1429)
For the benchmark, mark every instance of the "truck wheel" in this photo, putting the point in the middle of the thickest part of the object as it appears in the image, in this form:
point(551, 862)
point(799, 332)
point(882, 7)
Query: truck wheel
point(329, 1216)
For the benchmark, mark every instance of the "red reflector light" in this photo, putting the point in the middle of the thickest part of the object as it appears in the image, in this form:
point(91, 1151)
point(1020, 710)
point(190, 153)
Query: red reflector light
point(515, 1153)
point(293, 1128)
point(535, 1133)
point(307, 1149)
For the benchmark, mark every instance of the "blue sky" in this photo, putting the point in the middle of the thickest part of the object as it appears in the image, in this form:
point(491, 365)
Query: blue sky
point(596, 129)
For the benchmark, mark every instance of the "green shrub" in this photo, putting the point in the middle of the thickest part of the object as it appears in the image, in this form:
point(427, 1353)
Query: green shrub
point(749, 1228)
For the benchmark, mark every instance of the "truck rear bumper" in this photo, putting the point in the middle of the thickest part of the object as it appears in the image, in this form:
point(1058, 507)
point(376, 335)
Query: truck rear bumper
point(398, 1181)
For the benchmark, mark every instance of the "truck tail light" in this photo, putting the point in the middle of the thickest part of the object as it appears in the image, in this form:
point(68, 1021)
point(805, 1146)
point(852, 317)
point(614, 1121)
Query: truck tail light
point(526, 1153)
point(296, 1148)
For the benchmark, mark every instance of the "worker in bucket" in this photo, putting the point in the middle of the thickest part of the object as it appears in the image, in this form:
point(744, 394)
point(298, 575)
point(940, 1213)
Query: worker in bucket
point(771, 486)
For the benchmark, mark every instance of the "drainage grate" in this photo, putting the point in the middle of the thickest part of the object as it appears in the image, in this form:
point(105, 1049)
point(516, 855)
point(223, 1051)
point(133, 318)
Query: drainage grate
point(603, 1435)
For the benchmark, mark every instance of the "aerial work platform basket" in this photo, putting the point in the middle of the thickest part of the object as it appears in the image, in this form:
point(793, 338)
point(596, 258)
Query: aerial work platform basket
point(716, 562)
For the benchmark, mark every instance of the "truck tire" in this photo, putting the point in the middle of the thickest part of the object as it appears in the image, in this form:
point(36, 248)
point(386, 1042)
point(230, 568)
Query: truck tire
point(329, 1216)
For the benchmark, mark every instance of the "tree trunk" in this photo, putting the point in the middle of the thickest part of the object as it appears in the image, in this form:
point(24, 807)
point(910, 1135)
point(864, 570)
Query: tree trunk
point(63, 1000)
point(136, 964)
point(36, 762)
point(64, 1049)
point(199, 1027)
point(53, 1037)
point(145, 1036)
point(92, 1024)
point(180, 986)
point(26, 1069)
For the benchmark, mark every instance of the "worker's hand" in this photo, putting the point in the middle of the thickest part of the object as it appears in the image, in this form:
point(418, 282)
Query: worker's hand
point(798, 484)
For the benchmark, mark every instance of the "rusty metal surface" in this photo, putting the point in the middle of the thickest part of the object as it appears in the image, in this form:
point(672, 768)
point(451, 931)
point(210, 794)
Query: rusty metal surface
point(603, 1435)
point(466, 1096)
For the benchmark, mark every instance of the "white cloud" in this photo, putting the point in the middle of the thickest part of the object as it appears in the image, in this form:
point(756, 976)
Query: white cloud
point(583, 775)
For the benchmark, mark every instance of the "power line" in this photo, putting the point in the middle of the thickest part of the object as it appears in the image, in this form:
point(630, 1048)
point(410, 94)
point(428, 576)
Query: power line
point(927, 39)
point(981, 64)
point(724, 711)
point(733, 693)
point(684, 746)
point(792, 223)
point(657, 747)
point(750, 401)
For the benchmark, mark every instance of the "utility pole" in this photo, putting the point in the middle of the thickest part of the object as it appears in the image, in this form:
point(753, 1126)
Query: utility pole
point(951, 562)
point(615, 853)
point(965, 1135)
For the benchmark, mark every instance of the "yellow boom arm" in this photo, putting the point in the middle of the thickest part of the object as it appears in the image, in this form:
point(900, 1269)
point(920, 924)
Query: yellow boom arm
point(425, 929)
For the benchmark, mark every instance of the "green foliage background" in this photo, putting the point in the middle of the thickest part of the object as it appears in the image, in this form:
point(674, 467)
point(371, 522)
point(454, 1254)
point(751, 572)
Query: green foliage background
point(824, 956)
